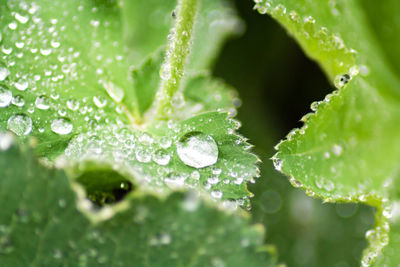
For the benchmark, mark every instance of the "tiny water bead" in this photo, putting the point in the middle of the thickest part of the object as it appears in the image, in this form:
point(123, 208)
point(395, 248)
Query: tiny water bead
point(21, 85)
point(5, 97)
point(18, 101)
point(4, 72)
point(197, 150)
point(342, 80)
point(61, 126)
point(161, 157)
point(20, 124)
point(42, 102)
point(73, 104)
point(99, 101)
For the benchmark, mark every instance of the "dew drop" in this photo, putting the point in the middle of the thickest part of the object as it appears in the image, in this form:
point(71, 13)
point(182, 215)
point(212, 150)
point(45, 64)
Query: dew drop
point(216, 194)
point(21, 85)
point(20, 124)
point(5, 97)
point(195, 175)
point(61, 126)
point(18, 101)
point(142, 156)
point(277, 164)
point(21, 19)
point(42, 102)
point(342, 80)
point(337, 150)
point(197, 150)
point(161, 157)
point(6, 140)
point(178, 100)
point(99, 101)
point(73, 104)
point(165, 142)
point(4, 72)
point(45, 52)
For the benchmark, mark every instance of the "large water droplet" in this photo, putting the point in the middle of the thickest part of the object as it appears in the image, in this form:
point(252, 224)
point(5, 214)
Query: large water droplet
point(42, 102)
point(5, 97)
point(20, 124)
point(61, 126)
point(197, 150)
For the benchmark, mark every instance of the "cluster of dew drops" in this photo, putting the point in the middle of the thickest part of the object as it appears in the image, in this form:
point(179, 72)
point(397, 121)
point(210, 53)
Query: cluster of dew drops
point(34, 57)
point(21, 90)
point(151, 156)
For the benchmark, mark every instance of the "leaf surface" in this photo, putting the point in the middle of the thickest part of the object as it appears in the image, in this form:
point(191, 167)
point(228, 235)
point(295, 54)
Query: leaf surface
point(202, 152)
point(347, 150)
point(180, 229)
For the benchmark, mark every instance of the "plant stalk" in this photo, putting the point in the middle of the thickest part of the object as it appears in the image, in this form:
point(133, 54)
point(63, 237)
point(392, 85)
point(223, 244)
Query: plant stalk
point(178, 49)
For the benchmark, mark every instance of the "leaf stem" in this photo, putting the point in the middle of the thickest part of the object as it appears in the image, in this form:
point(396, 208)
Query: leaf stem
point(178, 50)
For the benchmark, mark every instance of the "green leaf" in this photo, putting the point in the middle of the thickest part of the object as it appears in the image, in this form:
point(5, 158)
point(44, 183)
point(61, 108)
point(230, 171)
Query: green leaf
point(201, 92)
point(347, 151)
point(202, 153)
point(178, 230)
point(216, 21)
point(82, 86)
point(65, 68)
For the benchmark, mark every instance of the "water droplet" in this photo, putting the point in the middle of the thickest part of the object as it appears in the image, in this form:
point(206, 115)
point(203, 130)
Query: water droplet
point(99, 101)
point(326, 184)
point(197, 150)
point(42, 102)
point(277, 164)
point(45, 52)
point(165, 142)
point(337, 150)
point(177, 100)
point(142, 155)
point(213, 180)
point(216, 171)
point(195, 175)
point(6, 140)
point(216, 194)
point(20, 124)
point(21, 85)
point(73, 104)
point(5, 97)
point(342, 80)
point(18, 101)
point(146, 139)
point(174, 180)
point(61, 126)
point(21, 19)
point(4, 72)
point(161, 157)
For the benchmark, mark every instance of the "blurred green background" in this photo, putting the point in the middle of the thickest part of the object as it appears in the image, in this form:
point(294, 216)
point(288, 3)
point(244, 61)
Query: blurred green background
point(277, 84)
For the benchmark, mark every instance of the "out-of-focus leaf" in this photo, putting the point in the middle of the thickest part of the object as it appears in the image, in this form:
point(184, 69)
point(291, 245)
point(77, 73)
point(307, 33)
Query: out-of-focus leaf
point(62, 228)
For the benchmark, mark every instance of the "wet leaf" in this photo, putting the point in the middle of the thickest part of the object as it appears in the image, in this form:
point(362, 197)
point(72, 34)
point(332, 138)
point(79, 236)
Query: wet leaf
point(347, 151)
point(180, 229)
point(202, 153)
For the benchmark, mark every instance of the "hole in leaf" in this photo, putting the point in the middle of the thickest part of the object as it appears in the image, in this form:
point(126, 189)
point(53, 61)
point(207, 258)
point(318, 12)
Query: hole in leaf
point(105, 187)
